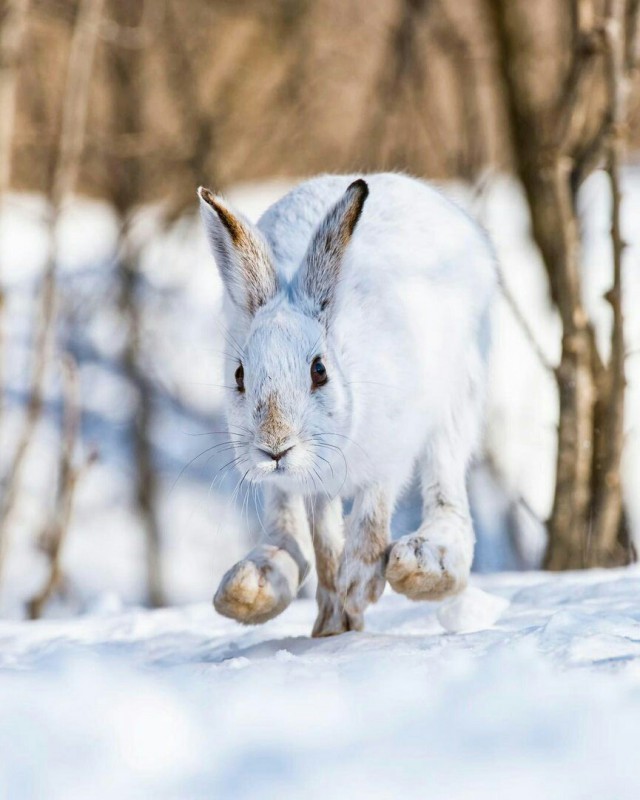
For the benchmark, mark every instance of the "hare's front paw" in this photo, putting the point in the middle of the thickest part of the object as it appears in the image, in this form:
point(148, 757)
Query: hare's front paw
point(432, 564)
point(359, 583)
point(259, 587)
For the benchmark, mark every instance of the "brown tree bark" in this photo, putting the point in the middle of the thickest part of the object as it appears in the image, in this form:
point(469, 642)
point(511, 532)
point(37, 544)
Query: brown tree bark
point(612, 544)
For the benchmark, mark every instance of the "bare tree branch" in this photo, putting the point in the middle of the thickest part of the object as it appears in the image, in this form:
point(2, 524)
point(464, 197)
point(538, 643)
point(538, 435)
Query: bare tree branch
point(55, 533)
point(632, 15)
point(610, 406)
point(587, 525)
point(526, 328)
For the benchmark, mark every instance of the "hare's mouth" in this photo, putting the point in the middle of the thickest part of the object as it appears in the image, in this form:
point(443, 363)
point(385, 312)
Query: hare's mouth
point(269, 460)
point(291, 469)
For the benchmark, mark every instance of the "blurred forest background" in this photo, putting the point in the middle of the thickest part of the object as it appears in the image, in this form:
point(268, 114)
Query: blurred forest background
point(114, 111)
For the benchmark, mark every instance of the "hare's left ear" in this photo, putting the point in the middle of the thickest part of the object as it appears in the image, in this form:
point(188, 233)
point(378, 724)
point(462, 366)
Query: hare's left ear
point(319, 273)
point(241, 253)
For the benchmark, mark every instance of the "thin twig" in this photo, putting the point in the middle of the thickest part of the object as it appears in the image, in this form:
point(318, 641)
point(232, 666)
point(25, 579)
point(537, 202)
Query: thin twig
point(55, 532)
point(527, 330)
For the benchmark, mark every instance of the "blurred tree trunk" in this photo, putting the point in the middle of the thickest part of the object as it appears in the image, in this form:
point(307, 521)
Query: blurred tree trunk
point(554, 151)
point(126, 188)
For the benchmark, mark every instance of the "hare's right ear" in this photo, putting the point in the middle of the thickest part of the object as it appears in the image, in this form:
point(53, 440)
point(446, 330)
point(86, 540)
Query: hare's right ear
point(241, 253)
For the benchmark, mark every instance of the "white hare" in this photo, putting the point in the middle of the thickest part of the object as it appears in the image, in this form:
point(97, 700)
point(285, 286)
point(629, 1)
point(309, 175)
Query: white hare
point(359, 309)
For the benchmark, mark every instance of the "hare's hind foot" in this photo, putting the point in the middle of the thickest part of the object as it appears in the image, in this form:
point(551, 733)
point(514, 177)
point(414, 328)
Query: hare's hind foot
point(433, 564)
point(259, 587)
point(333, 618)
point(359, 583)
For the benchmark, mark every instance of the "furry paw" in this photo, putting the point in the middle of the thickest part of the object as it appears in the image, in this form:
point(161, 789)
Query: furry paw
point(428, 567)
point(359, 584)
point(259, 587)
point(332, 617)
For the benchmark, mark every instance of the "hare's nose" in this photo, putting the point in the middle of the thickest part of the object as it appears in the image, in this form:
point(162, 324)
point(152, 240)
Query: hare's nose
point(276, 456)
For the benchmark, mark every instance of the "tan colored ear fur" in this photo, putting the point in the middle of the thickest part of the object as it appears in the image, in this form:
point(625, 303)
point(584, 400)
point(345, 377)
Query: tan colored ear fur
point(242, 255)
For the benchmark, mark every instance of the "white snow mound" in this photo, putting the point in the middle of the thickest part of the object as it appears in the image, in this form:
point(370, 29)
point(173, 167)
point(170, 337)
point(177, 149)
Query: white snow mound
point(470, 611)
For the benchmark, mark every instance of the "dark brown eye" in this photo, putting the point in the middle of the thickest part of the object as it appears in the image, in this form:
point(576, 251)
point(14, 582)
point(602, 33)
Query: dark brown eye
point(240, 378)
point(318, 373)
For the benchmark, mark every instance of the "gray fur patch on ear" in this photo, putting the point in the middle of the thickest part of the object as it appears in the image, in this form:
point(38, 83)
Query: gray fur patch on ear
point(320, 271)
point(240, 252)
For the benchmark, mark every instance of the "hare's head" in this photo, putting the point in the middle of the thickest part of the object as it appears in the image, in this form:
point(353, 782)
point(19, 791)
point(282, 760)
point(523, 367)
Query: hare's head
point(289, 404)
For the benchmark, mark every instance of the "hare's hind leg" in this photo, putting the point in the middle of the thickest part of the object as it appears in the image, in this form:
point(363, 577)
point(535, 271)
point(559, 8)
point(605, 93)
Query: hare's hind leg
point(263, 584)
point(327, 530)
point(360, 579)
point(436, 560)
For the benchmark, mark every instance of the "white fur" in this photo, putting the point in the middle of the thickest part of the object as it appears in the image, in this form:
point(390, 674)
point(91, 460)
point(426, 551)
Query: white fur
point(403, 347)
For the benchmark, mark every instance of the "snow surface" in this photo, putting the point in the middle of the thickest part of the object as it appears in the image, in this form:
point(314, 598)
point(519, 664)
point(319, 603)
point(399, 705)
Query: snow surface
point(183, 704)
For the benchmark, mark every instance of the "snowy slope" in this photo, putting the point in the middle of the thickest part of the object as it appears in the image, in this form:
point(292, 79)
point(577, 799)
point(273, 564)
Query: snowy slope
point(183, 704)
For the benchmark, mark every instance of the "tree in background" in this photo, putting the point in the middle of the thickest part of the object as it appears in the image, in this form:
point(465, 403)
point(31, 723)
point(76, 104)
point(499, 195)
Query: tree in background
point(556, 144)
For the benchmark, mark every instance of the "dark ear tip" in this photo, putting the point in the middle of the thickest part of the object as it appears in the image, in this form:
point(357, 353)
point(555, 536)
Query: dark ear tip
point(206, 195)
point(361, 186)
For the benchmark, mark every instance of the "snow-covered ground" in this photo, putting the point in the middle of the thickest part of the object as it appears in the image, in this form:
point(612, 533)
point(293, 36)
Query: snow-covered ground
point(182, 704)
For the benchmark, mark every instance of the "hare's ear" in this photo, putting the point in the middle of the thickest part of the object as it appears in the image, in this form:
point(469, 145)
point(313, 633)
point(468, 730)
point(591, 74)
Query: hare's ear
point(241, 253)
point(319, 273)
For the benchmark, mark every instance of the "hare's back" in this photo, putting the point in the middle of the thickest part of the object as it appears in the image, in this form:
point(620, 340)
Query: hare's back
point(407, 228)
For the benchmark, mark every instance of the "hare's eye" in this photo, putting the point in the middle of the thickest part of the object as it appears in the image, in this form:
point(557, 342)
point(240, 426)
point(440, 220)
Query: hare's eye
point(318, 373)
point(240, 378)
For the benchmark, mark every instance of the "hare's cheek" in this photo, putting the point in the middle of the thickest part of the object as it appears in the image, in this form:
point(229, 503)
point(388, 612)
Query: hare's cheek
point(330, 404)
point(237, 411)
